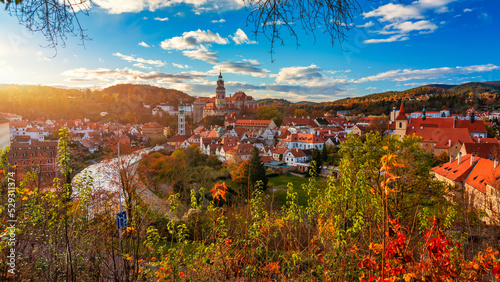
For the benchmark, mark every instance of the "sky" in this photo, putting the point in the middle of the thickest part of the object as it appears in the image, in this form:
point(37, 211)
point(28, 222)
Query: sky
point(183, 44)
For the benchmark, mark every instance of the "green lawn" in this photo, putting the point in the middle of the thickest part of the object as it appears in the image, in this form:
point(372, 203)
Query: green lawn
point(280, 185)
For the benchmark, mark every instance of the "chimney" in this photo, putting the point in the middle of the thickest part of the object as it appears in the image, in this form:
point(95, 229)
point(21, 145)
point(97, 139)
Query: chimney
point(471, 159)
point(495, 163)
point(479, 140)
point(449, 142)
point(459, 158)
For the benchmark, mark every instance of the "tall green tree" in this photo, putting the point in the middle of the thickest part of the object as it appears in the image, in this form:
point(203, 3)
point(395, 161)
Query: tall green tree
point(257, 170)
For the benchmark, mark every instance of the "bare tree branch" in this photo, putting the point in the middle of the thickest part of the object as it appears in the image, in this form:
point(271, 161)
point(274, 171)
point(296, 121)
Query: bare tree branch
point(54, 19)
point(269, 17)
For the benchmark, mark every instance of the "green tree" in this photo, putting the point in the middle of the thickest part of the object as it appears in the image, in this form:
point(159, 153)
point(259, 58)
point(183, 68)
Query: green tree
point(324, 153)
point(316, 162)
point(270, 112)
point(257, 170)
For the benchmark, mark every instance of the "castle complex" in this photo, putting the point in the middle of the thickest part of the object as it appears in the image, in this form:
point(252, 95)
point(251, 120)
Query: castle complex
point(220, 105)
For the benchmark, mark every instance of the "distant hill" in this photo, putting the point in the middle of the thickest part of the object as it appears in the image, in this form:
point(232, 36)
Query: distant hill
point(442, 86)
point(476, 88)
point(147, 93)
point(276, 102)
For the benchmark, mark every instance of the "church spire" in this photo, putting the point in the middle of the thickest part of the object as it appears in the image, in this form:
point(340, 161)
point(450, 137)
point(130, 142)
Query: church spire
point(402, 114)
point(423, 114)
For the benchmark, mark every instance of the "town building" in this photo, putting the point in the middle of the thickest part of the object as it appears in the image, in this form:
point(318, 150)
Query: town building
point(4, 133)
point(220, 105)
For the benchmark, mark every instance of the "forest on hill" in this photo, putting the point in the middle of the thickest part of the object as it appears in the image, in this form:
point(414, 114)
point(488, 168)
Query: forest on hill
point(33, 102)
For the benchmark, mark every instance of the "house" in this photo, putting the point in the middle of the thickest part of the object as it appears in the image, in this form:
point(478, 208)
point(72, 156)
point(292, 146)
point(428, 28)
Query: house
point(239, 152)
point(305, 141)
point(478, 182)
point(298, 121)
point(152, 129)
point(278, 154)
point(250, 124)
point(35, 155)
point(481, 189)
point(295, 156)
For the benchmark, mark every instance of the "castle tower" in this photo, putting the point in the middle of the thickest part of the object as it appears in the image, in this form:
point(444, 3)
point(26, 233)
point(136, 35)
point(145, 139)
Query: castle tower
point(220, 93)
point(182, 121)
point(401, 122)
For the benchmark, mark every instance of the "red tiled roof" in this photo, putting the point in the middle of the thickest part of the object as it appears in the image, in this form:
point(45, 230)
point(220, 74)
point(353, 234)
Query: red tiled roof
point(477, 126)
point(485, 140)
point(455, 171)
point(305, 138)
point(230, 141)
point(152, 125)
point(241, 149)
point(253, 123)
point(177, 138)
point(297, 153)
point(298, 121)
point(441, 136)
point(482, 174)
point(402, 114)
point(483, 150)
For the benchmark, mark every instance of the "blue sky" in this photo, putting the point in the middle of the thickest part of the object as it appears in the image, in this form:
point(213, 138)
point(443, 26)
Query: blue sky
point(182, 44)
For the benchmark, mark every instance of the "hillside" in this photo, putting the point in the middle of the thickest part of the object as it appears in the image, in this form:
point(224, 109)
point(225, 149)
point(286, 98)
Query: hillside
point(147, 93)
point(34, 102)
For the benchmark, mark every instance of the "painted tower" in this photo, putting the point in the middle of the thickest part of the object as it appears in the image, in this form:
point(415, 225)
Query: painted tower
point(401, 122)
point(182, 121)
point(220, 93)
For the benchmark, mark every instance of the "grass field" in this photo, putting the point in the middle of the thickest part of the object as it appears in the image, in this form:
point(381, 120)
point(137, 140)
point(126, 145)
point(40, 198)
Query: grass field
point(279, 184)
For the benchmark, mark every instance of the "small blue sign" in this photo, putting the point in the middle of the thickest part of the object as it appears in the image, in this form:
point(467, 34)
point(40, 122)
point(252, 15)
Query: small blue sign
point(121, 219)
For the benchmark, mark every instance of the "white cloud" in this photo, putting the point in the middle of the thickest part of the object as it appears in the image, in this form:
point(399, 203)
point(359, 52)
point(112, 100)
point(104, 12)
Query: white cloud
point(467, 10)
point(128, 58)
point(192, 40)
point(180, 66)
point(245, 68)
point(404, 20)
point(202, 54)
point(408, 74)
point(219, 21)
point(144, 44)
point(299, 75)
point(161, 19)
point(240, 37)
point(126, 75)
point(390, 12)
point(142, 66)
point(368, 24)
point(134, 6)
point(407, 27)
point(397, 37)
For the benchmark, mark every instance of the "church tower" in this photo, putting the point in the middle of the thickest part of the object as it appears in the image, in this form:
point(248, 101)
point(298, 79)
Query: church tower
point(401, 122)
point(182, 121)
point(220, 93)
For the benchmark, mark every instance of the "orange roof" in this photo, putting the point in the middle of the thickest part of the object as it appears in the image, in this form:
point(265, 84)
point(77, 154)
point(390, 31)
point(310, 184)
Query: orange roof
point(297, 153)
point(241, 149)
point(482, 174)
point(305, 138)
point(298, 121)
point(455, 171)
point(152, 125)
point(253, 123)
point(442, 136)
point(204, 100)
point(230, 141)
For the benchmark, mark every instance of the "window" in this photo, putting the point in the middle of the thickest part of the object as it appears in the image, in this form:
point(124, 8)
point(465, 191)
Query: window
point(400, 125)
